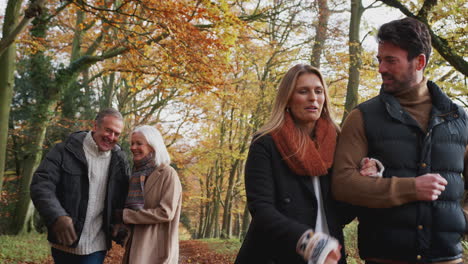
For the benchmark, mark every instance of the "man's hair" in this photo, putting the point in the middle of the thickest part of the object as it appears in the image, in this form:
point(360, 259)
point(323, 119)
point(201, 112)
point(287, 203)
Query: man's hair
point(108, 112)
point(409, 34)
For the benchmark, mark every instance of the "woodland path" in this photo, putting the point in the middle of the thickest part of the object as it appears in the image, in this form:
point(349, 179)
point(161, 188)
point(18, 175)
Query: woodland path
point(191, 252)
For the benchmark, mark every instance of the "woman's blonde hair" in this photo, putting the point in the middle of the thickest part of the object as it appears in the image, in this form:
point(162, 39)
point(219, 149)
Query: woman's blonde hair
point(284, 94)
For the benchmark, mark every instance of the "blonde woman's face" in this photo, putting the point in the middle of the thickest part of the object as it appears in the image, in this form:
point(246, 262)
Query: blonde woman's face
point(306, 102)
point(139, 146)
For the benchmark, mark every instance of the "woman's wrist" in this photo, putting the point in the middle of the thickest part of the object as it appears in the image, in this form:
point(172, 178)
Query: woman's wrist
point(315, 247)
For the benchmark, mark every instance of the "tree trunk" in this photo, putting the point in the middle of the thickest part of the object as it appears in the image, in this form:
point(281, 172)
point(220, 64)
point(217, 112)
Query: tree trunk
point(7, 68)
point(108, 92)
point(201, 221)
point(237, 226)
point(13, 30)
point(245, 222)
point(226, 225)
point(206, 232)
point(46, 98)
point(219, 173)
point(24, 208)
point(355, 62)
point(69, 95)
point(320, 32)
point(233, 180)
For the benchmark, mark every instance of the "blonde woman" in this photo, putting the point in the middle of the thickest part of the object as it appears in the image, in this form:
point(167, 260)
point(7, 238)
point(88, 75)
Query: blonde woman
point(287, 178)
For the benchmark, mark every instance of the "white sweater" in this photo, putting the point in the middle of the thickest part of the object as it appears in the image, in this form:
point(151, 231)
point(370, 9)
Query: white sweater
point(92, 238)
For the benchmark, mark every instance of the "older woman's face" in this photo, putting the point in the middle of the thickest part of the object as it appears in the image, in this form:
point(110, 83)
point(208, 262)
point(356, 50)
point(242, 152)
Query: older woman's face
point(306, 102)
point(139, 146)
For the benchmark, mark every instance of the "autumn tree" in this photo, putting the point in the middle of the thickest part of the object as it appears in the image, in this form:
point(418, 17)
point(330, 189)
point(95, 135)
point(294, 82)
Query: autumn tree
point(149, 33)
point(264, 51)
point(321, 33)
point(12, 27)
point(355, 55)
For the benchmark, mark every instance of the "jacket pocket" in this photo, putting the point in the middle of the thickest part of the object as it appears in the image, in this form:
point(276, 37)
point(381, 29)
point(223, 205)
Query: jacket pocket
point(71, 178)
point(70, 187)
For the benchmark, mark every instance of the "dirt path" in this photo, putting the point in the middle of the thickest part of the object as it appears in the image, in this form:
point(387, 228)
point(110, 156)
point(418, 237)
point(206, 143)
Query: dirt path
point(191, 252)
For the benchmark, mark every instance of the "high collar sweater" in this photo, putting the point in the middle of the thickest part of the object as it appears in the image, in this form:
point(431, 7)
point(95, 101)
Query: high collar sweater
point(92, 238)
point(348, 185)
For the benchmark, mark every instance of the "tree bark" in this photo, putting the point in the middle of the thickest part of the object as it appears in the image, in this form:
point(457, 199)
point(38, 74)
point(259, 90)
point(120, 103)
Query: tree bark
point(7, 68)
point(24, 208)
point(355, 62)
point(245, 222)
point(11, 31)
point(320, 32)
point(207, 227)
point(69, 104)
point(40, 69)
point(201, 217)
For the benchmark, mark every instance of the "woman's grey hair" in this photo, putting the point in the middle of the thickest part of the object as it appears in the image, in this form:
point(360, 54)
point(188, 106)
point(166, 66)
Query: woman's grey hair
point(155, 140)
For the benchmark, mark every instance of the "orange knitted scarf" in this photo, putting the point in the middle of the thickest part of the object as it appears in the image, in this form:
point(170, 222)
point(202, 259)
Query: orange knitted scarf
point(316, 157)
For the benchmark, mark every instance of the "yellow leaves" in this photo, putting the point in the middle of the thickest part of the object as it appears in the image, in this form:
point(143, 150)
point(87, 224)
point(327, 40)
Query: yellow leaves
point(32, 46)
point(81, 26)
point(133, 89)
point(200, 198)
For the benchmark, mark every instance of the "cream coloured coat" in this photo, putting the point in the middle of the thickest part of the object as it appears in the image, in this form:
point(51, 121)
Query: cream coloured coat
point(155, 236)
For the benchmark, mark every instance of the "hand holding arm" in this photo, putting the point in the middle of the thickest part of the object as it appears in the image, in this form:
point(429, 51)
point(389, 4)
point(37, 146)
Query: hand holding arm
point(371, 168)
point(120, 234)
point(350, 186)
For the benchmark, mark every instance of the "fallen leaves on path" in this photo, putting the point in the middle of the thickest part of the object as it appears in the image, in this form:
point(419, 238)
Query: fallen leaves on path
point(198, 252)
point(191, 252)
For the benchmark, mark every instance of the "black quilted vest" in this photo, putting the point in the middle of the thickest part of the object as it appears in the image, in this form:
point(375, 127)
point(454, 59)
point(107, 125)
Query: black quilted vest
point(418, 231)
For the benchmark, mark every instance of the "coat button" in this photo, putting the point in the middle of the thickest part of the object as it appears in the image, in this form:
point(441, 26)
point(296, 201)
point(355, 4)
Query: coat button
point(287, 200)
point(418, 257)
point(423, 165)
point(420, 227)
point(455, 115)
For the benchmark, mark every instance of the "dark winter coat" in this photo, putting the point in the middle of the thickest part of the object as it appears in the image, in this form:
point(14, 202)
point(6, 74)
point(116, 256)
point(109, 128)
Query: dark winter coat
point(60, 186)
point(283, 206)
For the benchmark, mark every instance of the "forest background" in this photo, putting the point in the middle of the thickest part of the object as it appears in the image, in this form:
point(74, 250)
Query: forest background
point(203, 72)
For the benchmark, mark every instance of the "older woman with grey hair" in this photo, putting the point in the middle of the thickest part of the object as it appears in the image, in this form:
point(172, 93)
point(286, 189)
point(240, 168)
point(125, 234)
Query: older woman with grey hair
point(154, 201)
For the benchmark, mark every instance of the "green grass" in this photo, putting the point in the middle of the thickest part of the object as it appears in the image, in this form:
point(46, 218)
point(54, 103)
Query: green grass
point(350, 233)
point(32, 247)
point(223, 246)
point(465, 250)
